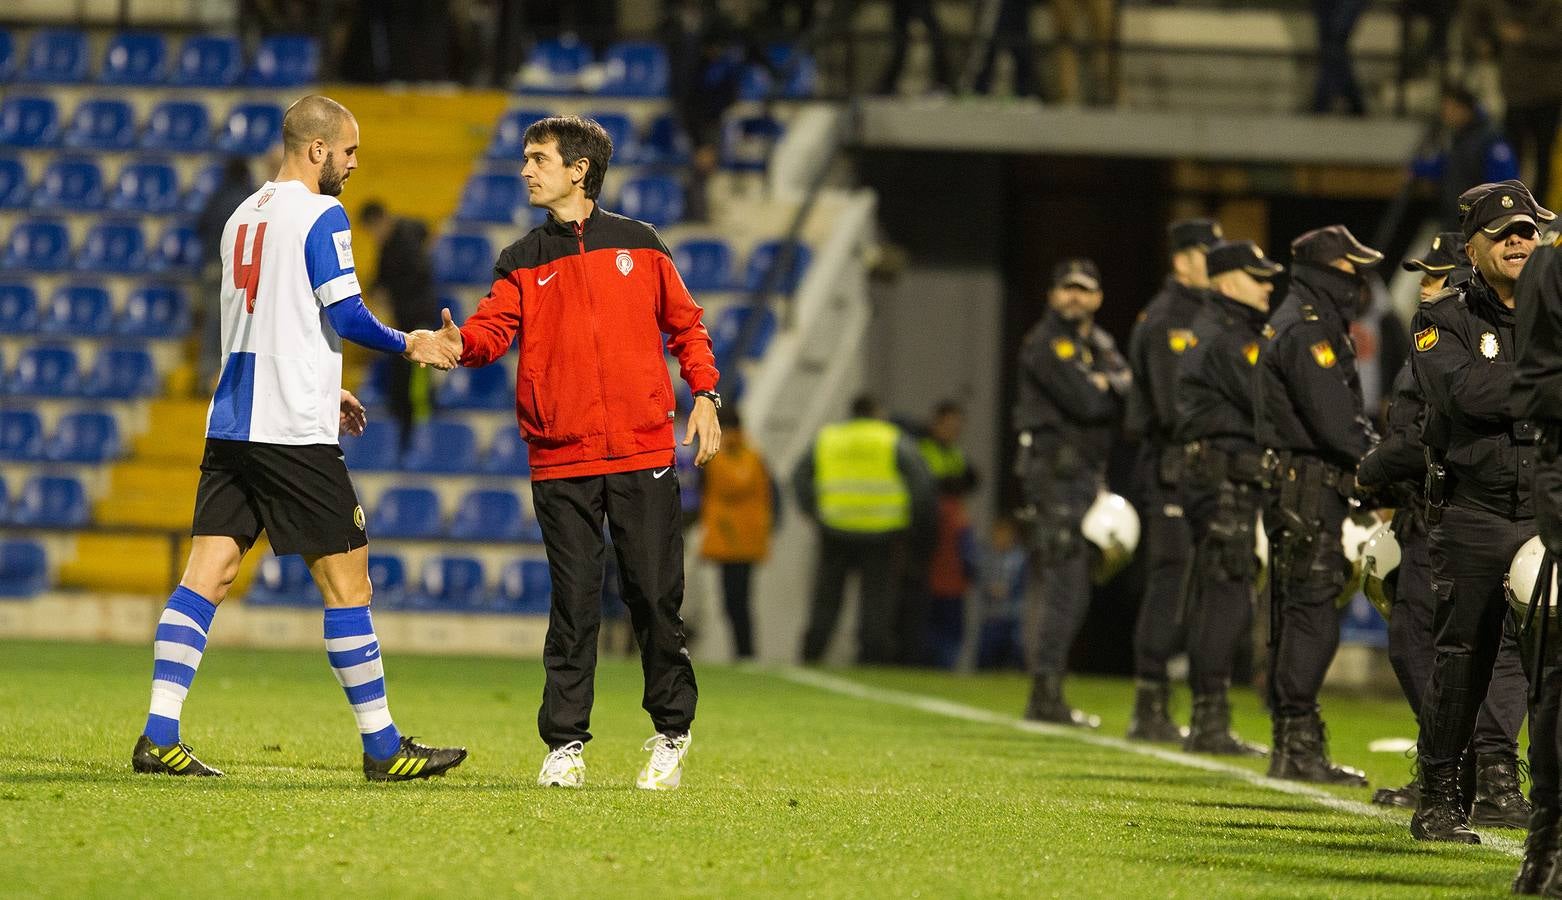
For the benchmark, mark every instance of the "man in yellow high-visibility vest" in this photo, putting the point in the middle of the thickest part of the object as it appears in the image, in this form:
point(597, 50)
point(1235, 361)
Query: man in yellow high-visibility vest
point(867, 486)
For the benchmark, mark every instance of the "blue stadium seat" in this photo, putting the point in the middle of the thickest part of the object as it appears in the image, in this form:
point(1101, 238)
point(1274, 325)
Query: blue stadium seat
point(148, 186)
point(155, 311)
point(101, 124)
point(178, 251)
point(635, 69)
point(798, 70)
point(378, 449)
point(463, 259)
point(135, 59)
point(84, 437)
point(491, 515)
point(115, 246)
point(13, 183)
point(42, 245)
point(285, 61)
point(766, 256)
point(56, 56)
point(207, 61)
point(46, 371)
point(706, 265)
point(83, 310)
point(507, 455)
point(202, 187)
point(747, 142)
point(553, 65)
point(7, 56)
point(621, 129)
point(371, 390)
point(283, 581)
point(510, 135)
point(51, 501)
point(70, 184)
point(121, 373)
point(388, 577)
point(654, 199)
point(490, 387)
point(21, 436)
point(728, 330)
point(525, 587)
point(441, 447)
point(18, 308)
point(29, 122)
point(178, 126)
point(491, 197)
point(755, 83)
point(452, 583)
point(664, 142)
point(24, 568)
point(406, 512)
point(251, 129)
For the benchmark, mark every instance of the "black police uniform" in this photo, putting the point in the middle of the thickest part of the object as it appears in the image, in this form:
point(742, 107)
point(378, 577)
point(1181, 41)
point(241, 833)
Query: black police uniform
point(1066, 425)
point(1308, 412)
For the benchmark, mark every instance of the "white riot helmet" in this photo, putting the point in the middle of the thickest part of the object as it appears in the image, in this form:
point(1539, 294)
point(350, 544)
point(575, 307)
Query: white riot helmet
point(1261, 550)
point(1353, 537)
point(1379, 560)
point(1519, 583)
point(1113, 527)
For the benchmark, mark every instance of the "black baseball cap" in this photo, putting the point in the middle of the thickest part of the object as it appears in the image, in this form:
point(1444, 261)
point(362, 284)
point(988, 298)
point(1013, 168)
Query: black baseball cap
point(1190, 233)
point(1077, 272)
point(1445, 255)
point(1493, 207)
point(1229, 256)
point(1323, 246)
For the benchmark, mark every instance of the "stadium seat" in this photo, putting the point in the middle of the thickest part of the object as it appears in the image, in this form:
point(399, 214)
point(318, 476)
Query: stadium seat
point(121, 373)
point(70, 184)
point(491, 515)
point(728, 331)
point(798, 70)
point(507, 454)
point(82, 310)
point(21, 436)
point(388, 577)
point(490, 387)
point(206, 61)
point(101, 124)
point(654, 199)
point(251, 129)
point(371, 390)
point(178, 126)
point(441, 447)
point(146, 187)
point(463, 259)
point(41, 245)
point(51, 501)
point(202, 187)
point(178, 251)
point(406, 512)
point(135, 59)
point(285, 61)
point(765, 257)
point(621, 130)
point(454, 583)
point(747, 142)
point(378, 449)
point(553, 66)
point(155, 311)
point(525, 587)
point(635, 69)
point(706, 265)
point(664, 142)
point(115, 246)
point(509, 141)
point(7, 56)
point(283, 581)
point(755, 83)
point(13, 183)
point(18, 308)
point(491, 197)
point(24, 568)
point(46, 371)
point(56, 56)
point(83, 437)
point(29, 122)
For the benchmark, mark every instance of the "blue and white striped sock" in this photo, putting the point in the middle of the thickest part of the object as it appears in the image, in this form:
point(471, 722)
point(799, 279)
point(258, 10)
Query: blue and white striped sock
point(355, 657)
point(180, 641)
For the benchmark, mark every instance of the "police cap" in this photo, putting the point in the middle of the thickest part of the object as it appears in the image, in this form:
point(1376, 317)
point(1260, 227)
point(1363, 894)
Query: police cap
point(1493, 207)
point(1187, 234)
point(1326, 245)
point(1081, 273)
point(1229, 256)
point(1445, 255)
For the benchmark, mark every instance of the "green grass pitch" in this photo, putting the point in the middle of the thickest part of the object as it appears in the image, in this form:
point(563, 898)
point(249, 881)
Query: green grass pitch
point(790, 790)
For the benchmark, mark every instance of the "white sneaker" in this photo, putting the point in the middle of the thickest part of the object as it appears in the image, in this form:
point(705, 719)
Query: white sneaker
point(664, 770)
point(564, 767)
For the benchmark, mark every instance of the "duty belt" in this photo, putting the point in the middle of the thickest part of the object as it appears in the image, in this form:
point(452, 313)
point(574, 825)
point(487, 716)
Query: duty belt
point(1310, 472)
point(1215, 464)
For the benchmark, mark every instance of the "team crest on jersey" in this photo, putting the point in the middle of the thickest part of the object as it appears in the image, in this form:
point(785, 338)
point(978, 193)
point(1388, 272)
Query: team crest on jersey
point(1426, 338)
point(358, 517)
point(1250, 353)
point(265, 197)
point(1489, 346)
point(1181, 339)
point(1064, 348)
point(1323, 354)
point(625, 262)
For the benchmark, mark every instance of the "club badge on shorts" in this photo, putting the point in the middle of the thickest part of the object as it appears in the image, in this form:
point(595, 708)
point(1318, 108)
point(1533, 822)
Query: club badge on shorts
point(358, 517)
point(625, 262)
point(1489, 345)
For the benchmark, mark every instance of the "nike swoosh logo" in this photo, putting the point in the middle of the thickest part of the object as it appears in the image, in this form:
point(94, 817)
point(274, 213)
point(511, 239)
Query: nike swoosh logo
point(661, 473)
point(543, 281)
point(372, 652)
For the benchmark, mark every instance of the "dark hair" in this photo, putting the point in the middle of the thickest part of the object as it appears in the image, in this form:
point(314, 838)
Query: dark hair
point(1460, 94)
point(865, 407)
point(236, 169)
point(577, 138)
point(948, 407)
point(727, 416)
point(371, 213)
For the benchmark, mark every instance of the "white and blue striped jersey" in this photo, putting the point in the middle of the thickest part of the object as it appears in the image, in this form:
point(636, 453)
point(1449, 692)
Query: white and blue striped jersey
point(287, 254)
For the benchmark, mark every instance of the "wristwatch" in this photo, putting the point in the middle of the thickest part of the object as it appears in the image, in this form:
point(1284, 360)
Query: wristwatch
point(712, 396)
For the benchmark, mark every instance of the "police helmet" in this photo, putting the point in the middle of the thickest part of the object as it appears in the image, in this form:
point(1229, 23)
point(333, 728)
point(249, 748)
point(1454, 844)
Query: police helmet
point(1112, 525)
point(1519, 583)
point(1353, 537)
point(1379, 562)
point(1261, 550)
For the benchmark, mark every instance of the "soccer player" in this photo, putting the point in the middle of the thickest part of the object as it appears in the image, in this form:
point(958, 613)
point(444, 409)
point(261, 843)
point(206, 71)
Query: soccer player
point(289, 296)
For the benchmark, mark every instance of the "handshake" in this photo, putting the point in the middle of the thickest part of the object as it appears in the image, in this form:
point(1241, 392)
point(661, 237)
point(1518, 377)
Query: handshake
point(440, 349)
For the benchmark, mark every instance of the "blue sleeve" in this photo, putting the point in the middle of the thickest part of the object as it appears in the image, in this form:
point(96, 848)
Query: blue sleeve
point(353, 321)
point(1501, 164)
point(328, 257)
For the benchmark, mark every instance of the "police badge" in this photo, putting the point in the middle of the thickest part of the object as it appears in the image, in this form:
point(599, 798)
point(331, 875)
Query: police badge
point(1489, 346)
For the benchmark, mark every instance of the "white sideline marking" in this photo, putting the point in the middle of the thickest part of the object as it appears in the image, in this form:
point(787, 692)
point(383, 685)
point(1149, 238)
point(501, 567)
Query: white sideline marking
point(938, 707)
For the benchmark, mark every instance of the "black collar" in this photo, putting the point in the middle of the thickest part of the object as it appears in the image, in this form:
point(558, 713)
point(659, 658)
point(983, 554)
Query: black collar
point(1240, 312)
point(1335, 292)
point(554, 226)
point(1482, 300)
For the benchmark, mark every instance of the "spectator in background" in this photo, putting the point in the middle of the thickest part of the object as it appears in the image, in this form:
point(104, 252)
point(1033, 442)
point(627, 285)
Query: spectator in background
point(235, 187)
point(404, 284)
point(1465, 149)
point(903, 13)
point(1005, 24)
point(1102, 49)
point(738, 513)
point(706, 72)
point(932, 633)
point(1525, 38)
point(1336, 72)
point(992, 629)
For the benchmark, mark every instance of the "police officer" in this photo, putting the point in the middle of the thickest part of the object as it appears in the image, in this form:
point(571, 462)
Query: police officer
point(1308, 414)
point(1478, 493)
point(1160, 338)
point(1073, 383)
point(1222, 483)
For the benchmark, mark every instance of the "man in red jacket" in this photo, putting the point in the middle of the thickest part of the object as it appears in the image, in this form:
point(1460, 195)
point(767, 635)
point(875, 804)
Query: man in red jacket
point(590, 294)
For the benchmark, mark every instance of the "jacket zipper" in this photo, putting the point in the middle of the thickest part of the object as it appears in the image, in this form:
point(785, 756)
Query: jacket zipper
point(596, 335)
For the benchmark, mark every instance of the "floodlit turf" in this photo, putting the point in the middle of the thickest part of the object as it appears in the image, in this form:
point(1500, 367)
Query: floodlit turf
point(789, 790)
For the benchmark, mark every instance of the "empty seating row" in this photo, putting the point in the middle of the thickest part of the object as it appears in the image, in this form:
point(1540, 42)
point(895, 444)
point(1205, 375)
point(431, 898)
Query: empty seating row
point(173, 126)
point(117, 373)
point(78, 437)
point(148, 186)
point(24, 569)
point(449, 583)
point(112, 246)
point(85, 309)
point(485, 514)
point(62, 56)
point(641, 69)
point(47, 501)
point(439, 447)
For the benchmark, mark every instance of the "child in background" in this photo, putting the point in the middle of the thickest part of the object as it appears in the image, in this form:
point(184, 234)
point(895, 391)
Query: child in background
point(993, 631)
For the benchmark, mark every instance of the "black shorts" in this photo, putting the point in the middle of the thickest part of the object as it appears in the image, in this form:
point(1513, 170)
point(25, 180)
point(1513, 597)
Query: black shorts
point(300, 495)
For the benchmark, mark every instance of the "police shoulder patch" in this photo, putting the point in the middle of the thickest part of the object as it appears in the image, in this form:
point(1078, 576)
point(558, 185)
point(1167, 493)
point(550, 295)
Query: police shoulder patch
point(1323, 354)
point(1426, 338)
point(1064, 348)
point(1308, 313)
point(1181, 339)
point(1268, 331)
point(1250, 353)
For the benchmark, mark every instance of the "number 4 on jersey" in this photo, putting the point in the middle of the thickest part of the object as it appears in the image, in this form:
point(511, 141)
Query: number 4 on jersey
point(246, 275)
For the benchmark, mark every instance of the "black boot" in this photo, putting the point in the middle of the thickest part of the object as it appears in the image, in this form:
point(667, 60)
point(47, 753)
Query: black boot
point(1152, 720)
point(1302, 754)
point(1211, 731)
point(1403, 797)
point(1499, 801)
point(1540, 852)
point(1047, 705)
point(1440, 814)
